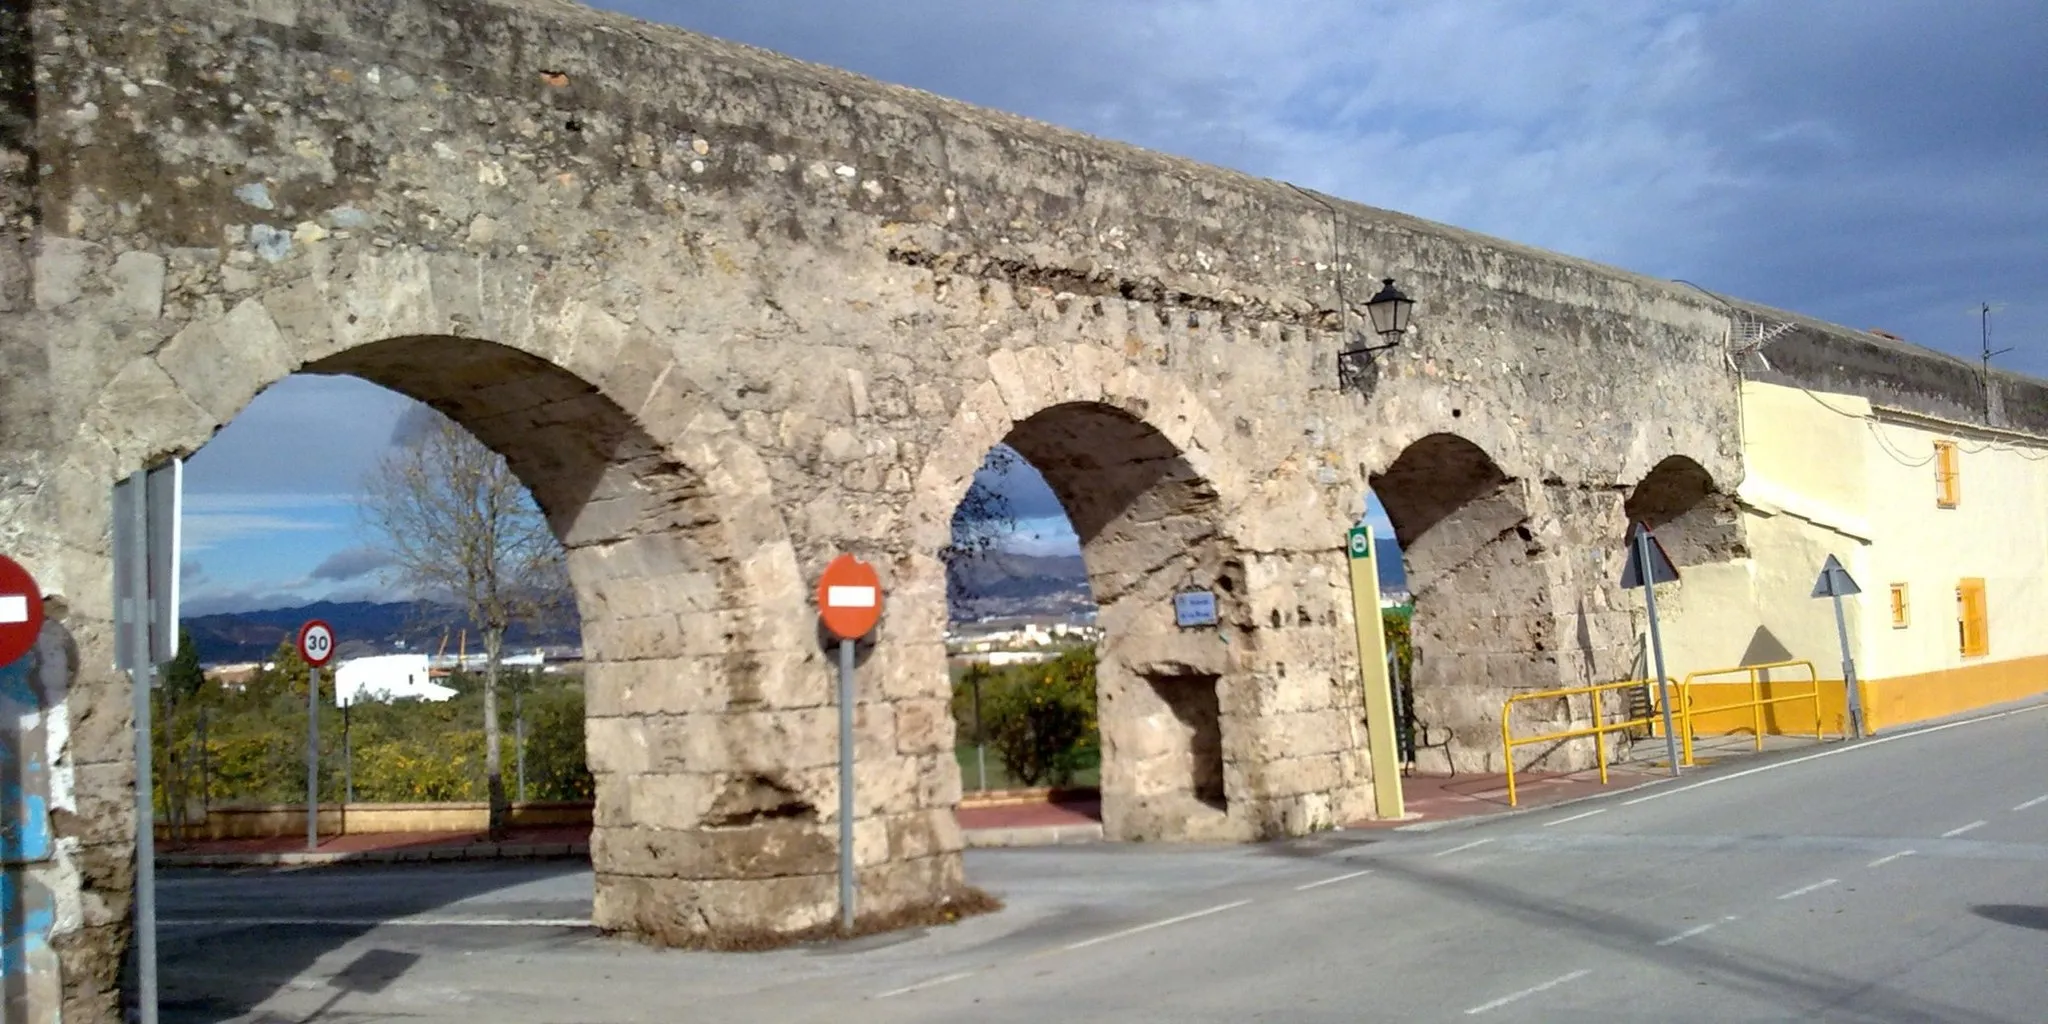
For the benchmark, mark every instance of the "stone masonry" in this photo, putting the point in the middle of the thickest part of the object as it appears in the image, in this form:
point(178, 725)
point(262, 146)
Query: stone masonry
point(729, 315)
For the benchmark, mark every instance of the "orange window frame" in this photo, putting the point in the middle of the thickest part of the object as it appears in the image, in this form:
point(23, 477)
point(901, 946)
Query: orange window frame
point(1948, 482)
point(1973, 618)
point(1902, 612)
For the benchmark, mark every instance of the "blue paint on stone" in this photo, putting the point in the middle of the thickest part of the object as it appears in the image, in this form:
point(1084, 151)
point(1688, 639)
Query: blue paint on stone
point(256, 194)
point(271, 243)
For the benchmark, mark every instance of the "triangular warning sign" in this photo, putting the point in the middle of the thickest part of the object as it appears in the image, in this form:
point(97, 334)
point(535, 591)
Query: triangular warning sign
point(1661, 569)
point(1835, 581)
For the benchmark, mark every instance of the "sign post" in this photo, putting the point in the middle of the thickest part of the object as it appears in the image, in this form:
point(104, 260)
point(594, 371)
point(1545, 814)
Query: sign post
point(850, 603)
point(1648, 566)
point(316, 646)
point(146, 562)
point(1381, 733)
point(1835, 582)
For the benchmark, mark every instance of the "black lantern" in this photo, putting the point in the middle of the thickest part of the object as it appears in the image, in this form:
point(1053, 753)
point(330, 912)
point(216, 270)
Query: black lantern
point(1390, 309)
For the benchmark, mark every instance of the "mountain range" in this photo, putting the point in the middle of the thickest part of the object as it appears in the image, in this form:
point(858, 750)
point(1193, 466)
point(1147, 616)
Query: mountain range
point(997, 584)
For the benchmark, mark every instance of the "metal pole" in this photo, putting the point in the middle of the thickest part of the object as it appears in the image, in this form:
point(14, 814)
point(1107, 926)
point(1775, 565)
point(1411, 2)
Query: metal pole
point(846, 697)
point(312, 758)
point(1855, 699)
point(519, 740)
point(143, 675)
point(980, 739)
point(348, 761)
point(1657, 647)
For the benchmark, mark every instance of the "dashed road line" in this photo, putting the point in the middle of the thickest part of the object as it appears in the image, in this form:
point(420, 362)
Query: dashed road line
point(1951, 833)
point(1126, 933)
point(1804, 889)
point(1576, 817)
point(1888, 858)
point(1866, 744)
point(931, 983)
point(1672, 940)
point(1527, 992)
point(2035, 802)
point(1333, 881)
point(1461, 849)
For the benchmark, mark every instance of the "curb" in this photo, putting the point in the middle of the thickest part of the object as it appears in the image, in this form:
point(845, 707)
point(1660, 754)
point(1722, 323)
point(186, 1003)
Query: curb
point(313, 858)
point(1034, 835)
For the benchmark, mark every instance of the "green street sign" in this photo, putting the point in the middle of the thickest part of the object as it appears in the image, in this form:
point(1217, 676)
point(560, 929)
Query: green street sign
point(1361, 542)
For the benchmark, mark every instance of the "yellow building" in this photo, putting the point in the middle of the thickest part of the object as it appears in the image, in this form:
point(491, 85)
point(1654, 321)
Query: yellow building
point(1944, 526)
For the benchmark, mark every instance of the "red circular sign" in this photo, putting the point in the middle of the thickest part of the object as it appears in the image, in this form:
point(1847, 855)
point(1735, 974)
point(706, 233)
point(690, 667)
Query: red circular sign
point(850, 598)
point(316, 643)
point(21, 611)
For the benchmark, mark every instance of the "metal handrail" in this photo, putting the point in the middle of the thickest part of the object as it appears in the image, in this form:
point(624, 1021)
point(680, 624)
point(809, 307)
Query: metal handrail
point(1756, 702)
point(1508, 742)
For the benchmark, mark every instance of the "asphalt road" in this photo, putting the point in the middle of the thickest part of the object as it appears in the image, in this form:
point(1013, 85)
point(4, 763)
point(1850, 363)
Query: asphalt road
point(1902, 879)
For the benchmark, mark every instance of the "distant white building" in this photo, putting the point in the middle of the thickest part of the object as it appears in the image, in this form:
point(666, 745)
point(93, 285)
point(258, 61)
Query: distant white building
point(386, 677)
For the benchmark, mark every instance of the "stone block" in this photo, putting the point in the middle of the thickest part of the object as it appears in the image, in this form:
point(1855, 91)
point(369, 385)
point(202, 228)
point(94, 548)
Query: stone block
point(924, 726)
point(765, 850)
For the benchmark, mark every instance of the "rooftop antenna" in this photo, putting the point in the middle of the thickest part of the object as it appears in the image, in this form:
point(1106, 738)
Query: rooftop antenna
point(1984, 310)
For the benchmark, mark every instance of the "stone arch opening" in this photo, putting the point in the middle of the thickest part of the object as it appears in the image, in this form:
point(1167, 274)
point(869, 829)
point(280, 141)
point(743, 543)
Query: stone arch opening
point(1480, 627)
point(1146, 525)
point(1696, 521)
point(710, 728)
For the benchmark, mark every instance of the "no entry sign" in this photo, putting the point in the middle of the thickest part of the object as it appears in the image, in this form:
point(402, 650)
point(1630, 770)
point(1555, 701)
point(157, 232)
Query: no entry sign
point(21, 611)
point(850, 598)
point(316, 643)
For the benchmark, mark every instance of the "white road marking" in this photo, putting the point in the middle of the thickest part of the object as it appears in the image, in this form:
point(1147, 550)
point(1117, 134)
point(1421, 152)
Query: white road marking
point(2035, 802)
point(1461, 849)
point(1126, 933)
point(377, 922)
point(1888, 858)
point(1575, 817)
point(1527, 992)
point(941, 980)
point(1850, 749)
point(1804, 889)
point(1959, 831)
point(1696, 930)
point(1332, 881)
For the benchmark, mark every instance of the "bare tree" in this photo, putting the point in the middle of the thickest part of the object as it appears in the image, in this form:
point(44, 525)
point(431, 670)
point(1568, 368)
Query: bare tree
point(980, 522)
point(459, 526)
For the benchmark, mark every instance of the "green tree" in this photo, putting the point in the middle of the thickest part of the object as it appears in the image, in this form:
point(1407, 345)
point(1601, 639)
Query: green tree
point(1041, 719)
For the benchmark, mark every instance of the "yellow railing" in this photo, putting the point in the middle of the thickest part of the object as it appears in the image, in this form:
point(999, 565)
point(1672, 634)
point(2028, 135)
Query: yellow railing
point(1598, 730)
point(1756, 702)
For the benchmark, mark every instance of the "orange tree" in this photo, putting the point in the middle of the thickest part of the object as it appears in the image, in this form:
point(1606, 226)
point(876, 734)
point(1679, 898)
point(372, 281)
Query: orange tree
point(1041, 719)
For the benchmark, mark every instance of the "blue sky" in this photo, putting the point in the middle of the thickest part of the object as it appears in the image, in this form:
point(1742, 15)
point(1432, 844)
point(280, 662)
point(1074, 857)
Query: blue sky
point(1874, 164)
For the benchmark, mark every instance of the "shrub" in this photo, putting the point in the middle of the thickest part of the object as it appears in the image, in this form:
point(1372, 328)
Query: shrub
point(1041, 718)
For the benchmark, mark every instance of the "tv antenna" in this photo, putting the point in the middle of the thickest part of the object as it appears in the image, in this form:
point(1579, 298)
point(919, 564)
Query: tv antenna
point(1984, 311)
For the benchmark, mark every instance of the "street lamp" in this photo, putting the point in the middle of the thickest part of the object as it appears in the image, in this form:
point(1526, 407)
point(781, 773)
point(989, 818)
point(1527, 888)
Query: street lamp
point(1389, 311)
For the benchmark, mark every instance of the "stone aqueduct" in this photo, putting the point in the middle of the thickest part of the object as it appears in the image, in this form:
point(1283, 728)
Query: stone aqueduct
point(727, 315)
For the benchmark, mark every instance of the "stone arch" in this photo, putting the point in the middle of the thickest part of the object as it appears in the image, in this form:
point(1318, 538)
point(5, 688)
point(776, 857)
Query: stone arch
point(710, 725)
point(1482, 625)
point(1126, 455)
point(1695, 521)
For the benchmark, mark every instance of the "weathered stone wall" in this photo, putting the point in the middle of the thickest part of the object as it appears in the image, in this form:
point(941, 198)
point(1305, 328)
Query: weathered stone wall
point(729, 315)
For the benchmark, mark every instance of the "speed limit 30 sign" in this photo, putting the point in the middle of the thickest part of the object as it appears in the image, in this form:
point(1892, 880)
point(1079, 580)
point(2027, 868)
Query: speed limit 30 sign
point(316, 643)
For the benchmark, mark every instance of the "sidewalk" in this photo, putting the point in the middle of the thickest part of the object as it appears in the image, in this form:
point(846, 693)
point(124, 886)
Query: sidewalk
point(1431, 802)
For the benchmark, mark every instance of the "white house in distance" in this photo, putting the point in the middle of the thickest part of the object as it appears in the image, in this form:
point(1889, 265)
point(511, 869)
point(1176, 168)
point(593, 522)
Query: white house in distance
point(386, 677)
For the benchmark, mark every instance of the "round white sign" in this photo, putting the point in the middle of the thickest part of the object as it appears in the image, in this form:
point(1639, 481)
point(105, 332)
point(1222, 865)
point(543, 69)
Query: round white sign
point(316, 643)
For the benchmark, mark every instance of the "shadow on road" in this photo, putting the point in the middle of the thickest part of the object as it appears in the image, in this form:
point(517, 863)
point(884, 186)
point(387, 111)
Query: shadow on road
point(2016, 914)
point(275, 925)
